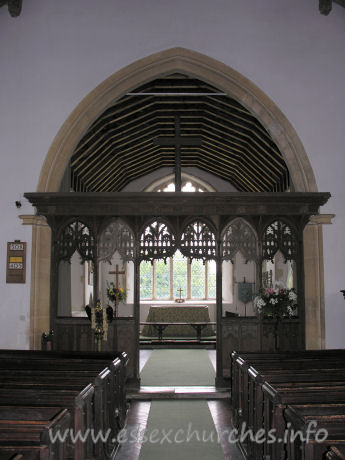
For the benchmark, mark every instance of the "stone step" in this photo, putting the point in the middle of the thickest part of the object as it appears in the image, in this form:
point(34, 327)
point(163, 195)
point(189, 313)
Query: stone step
point(179, 392)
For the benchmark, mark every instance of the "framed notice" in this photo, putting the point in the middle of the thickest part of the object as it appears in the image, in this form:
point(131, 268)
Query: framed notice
point(16, 262)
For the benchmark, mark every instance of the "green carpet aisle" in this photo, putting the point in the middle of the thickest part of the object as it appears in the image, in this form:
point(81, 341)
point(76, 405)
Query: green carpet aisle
point(178, 368)
point(188, 422)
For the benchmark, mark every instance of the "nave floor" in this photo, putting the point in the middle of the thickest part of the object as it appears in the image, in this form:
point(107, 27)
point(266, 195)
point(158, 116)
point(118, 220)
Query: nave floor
point(137, 419)
point(208, 418)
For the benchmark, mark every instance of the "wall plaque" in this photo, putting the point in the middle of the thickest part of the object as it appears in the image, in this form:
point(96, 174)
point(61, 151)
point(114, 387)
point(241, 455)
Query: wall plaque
point(16, 262)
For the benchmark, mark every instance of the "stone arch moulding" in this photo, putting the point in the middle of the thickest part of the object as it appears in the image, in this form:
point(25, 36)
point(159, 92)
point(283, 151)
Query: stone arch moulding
point(236, 86)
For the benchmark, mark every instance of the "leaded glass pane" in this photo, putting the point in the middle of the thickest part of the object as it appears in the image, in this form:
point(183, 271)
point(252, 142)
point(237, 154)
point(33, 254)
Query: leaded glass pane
point(146, 280)
point(198, 279)
point(211, 266)
point(180, 275)
point(162, 279)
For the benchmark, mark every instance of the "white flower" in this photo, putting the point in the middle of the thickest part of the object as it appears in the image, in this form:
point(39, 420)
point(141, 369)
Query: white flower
point(273, 301)
point(292, 296)
point(259, 303)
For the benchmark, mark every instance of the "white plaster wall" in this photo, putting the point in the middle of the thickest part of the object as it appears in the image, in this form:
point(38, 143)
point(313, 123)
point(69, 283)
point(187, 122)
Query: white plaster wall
point(56, 52)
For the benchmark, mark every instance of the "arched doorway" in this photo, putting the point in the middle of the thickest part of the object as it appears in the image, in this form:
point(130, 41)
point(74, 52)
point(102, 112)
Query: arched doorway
point(234, 85)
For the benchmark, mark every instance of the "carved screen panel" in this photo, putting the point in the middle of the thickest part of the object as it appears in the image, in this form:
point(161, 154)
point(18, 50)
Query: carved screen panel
point(117, 236)
point(157, 242)
point(198, 241)
point(267, 279)
point(279, 236)
point(239, 237)
point(76, 236)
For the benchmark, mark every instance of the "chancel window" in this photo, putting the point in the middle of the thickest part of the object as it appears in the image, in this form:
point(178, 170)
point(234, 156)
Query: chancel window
point(188, 186)
point(189, 183)
point(163, 281)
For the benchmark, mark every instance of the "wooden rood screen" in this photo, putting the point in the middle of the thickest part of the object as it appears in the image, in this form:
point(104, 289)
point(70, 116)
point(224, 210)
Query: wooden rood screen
point(147, 226)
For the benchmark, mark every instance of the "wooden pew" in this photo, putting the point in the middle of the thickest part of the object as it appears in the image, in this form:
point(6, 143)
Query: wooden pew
point(278, 398)
point(335, 453)
point(13, 452)
point(92, 409)
point(77, 359)
point(81, 405)
point(330, 418)
point(240, 369)
point(289, 378)
point(34, 426)
point(252, 359)
point(44, 363)
point(280, 368)
point(108, 392)
point(53, 378)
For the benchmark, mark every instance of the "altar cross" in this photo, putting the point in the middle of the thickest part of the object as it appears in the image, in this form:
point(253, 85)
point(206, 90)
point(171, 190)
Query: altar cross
point(117, 272)
point(180, 291)
point(177, 141)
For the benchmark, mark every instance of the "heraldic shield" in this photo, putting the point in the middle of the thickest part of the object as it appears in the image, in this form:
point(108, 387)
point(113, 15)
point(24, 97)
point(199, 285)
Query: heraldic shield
point(245, 292)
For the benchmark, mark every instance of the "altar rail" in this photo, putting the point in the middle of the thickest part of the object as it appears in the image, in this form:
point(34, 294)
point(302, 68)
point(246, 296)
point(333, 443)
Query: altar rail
point(161, 326)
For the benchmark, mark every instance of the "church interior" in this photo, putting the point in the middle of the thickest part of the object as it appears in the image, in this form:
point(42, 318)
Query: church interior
point(173, 223)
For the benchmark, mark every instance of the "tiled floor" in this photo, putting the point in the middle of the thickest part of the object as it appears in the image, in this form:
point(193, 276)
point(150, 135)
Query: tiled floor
point(138, 414)
point(222, 419)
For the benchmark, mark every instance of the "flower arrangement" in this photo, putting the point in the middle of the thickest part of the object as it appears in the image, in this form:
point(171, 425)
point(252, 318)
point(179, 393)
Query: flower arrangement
point(276, 303)
point(115, 294)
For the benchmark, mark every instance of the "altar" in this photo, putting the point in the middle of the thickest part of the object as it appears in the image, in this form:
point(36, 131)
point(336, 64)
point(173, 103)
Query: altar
point(175, 314)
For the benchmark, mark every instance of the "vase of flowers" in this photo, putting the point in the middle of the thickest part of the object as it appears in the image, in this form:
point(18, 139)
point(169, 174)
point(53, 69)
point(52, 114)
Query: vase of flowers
point(115, 295)
point(278, 303)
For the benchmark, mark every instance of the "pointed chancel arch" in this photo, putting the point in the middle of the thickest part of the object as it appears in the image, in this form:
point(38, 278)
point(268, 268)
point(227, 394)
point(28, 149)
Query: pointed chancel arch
point(193, 64)
point(232, 83)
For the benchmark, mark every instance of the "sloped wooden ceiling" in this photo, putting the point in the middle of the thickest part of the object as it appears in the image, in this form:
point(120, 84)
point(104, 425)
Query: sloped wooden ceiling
point(119, 146)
